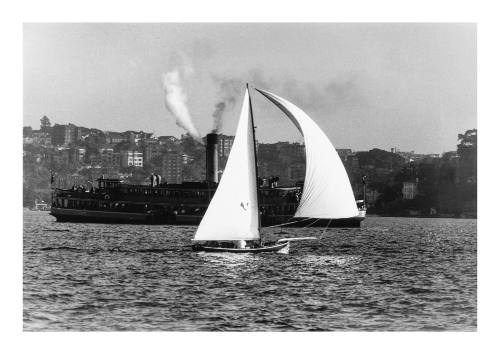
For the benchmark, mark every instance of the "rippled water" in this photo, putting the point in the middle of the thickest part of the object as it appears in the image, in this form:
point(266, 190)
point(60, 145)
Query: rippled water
point(391, 274)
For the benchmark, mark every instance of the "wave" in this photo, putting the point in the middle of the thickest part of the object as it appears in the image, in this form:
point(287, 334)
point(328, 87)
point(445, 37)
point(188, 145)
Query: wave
point(147, 250)
point(66, 248)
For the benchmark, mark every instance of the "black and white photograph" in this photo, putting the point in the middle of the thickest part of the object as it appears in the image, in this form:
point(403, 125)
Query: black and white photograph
point(251, 177)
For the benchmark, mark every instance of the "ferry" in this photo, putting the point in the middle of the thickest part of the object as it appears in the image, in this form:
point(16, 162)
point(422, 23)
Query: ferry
point(179, 204)
point(113, 201)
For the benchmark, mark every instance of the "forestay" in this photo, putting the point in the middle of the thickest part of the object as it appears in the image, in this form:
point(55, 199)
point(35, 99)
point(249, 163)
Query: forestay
point(233, 211)
point(327, 192)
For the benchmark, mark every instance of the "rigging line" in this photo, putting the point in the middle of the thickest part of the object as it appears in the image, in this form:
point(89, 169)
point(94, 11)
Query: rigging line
point(311, 223)
point(321, 236)
point(288, 223)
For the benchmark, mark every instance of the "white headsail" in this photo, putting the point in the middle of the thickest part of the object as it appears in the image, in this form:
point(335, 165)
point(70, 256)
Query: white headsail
point(233, 211)
point(327, 192)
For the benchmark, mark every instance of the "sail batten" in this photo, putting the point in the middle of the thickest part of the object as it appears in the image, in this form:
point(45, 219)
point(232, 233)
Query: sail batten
point(233, 211)
point(327, 192)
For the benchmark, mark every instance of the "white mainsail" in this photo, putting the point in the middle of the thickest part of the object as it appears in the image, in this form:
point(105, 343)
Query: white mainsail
point(327, 192)
point(233, 211)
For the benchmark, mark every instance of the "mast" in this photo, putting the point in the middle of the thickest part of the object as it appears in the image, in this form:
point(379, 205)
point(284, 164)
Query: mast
point(255, 155)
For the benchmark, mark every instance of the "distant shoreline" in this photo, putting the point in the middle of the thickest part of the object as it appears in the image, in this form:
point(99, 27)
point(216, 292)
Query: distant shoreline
point(420, 216)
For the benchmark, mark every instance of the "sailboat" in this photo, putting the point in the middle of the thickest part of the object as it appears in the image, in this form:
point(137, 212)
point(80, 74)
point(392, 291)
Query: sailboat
point(327, 196)
point(231, 222)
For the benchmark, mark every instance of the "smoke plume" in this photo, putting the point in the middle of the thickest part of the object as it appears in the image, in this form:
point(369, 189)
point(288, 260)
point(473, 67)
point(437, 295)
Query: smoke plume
point(336, 94)
point(229, 90)
point(176, 100)
point(217, 115)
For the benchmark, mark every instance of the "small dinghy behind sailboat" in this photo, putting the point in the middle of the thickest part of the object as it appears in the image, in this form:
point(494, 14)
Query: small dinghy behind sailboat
point(231, 222)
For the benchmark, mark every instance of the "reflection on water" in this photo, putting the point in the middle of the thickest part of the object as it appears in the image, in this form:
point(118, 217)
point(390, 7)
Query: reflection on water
point(391, 274)
point(338, 261)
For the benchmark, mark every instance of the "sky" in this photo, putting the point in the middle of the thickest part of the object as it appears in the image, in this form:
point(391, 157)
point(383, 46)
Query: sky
point(409, 86)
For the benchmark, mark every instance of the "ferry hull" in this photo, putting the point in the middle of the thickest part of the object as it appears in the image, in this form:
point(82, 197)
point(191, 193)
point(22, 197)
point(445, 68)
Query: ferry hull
point(307, 222)
point(98, 216)
point(116, 217)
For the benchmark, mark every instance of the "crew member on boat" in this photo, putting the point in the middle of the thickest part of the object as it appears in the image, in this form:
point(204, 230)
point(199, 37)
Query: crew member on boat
point(241, 244)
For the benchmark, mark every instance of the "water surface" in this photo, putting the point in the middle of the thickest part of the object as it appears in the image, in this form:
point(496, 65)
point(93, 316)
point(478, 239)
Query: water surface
point(392, 274)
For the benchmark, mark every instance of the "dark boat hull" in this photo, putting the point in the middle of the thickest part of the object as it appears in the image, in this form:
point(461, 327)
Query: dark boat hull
point(98, 216)
point(278, 247)
point(307, 222)
point(116, 217)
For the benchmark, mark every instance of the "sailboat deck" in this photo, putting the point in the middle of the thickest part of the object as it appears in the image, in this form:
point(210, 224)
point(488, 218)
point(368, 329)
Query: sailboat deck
point(272, 248)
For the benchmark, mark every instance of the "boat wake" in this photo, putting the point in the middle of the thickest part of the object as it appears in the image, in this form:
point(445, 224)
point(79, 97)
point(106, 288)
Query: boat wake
point(331, 260)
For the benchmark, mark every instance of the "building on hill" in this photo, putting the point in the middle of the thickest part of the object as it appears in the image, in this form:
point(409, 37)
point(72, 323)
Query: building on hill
point(95, 136)
point(39, 138)
point(60, 157)
point(109, 158)
point(95, 161)
point(134, 137)
point(344, 154)
point(411, 156)
point(152, 150)
point(410, 190)
point(63, 135)
point(80, 133)
point(114, 137)
point(148, 141)
point(131, 136)
point(225, 144)
point(77, 155)
point(131, 158)
point(171, 167)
